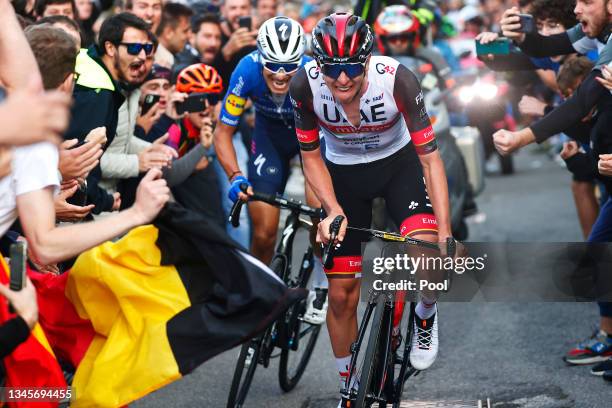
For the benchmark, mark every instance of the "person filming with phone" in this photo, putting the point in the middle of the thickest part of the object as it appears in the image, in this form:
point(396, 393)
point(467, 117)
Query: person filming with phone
point(238, 36)
point(193, 179)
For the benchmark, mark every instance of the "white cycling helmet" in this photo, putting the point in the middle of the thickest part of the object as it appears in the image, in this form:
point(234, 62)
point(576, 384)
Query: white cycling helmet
point(281, 40)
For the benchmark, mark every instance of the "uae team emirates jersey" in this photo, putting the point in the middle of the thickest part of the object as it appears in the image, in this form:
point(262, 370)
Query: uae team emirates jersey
point(392, 113)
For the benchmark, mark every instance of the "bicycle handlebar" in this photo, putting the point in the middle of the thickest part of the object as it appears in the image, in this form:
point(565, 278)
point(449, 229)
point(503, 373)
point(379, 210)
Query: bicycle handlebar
point(272, 199)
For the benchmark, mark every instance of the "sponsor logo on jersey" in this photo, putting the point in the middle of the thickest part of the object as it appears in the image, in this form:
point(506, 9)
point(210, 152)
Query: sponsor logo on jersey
point(229, 121)
point(326, 97)
point(419, 98)
point(378, 98)
point(376, 114)
point(364, 128)
point(272, 170)
point(354, 263)
point(429, 221)
point(384, 69)
point(238, 87)
point(313, 72)
point(234, 105)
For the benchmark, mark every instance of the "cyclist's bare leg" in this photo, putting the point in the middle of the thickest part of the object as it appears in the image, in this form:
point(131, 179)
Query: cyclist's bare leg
point(428, 296)
point(265, 219)
point(342, 314)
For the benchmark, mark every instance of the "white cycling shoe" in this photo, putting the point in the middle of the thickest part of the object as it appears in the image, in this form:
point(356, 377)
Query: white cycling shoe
point(316, 309)
point(424, 348)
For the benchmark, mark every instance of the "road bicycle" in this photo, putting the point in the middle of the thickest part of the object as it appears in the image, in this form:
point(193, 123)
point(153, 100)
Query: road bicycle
point(294, 337)
point(378, 375)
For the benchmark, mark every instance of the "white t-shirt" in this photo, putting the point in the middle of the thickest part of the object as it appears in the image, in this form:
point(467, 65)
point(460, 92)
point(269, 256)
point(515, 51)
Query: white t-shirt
point(34, 168)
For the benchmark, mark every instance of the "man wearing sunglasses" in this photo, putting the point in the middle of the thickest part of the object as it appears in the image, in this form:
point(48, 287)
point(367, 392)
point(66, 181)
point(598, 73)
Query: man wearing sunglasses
point(104, 72)
point(378, 143)
point(263, 76)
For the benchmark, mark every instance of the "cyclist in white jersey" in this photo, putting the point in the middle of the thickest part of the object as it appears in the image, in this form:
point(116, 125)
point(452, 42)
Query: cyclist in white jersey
point(378, 143)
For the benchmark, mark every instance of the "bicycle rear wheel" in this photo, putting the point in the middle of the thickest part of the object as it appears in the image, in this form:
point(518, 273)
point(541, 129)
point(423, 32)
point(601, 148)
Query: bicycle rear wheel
point(298, 338)
point(370, 381)
point(244, 373)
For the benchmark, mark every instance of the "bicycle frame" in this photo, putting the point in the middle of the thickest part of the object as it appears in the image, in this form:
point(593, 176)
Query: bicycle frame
point(390, 387)
point(292, 225)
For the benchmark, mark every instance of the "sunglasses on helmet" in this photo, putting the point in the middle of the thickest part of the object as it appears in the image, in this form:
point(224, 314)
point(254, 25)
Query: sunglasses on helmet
point(135, 48)
point(277, 67)
point(334, 71)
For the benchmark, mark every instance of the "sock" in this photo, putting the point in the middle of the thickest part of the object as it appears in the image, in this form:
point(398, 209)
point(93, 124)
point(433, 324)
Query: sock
point(319, 280)
point(426, 308)
point(343, 367)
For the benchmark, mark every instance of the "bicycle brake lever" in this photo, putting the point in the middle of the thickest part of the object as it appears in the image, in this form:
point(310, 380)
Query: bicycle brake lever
point(334, 229)
point(234, 217)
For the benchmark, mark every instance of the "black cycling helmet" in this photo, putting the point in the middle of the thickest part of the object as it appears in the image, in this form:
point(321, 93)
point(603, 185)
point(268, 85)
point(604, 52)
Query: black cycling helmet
point(342, 38)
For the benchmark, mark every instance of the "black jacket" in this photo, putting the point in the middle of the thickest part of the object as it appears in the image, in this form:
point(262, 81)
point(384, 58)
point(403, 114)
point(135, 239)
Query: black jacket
point(97, 98)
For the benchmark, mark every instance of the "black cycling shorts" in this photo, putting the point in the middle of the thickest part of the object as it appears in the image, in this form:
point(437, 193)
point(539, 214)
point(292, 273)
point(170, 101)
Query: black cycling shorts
point(399, 180)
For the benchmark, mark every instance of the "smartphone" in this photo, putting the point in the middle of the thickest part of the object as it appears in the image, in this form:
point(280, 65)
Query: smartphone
point(149, 101)
point(245, 21)
point(527, 23)
point(79, 197)
point(501, 46)
point(19, 255)
point(193, 103)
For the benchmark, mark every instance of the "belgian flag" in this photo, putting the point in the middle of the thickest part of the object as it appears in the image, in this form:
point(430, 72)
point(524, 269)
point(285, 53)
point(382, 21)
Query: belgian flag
point(32, 364)
point(139, 313)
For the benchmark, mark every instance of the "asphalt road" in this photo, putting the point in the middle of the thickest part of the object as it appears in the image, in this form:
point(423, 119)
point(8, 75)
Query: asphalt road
point(508, 352)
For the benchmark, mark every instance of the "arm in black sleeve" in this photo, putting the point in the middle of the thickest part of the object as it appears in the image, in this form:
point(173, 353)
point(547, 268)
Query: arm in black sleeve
point(572, 110)
point(411, 102)
point(96, 195)
point(306, 122)
point(583, 165)
point(12, 333)
point(89, 111)
point(536, 45)
point(580, 131)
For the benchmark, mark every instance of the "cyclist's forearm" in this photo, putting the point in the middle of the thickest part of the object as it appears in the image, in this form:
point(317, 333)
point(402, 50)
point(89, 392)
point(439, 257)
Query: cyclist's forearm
point(319, 179)
point(225, 148)
point(437, 189)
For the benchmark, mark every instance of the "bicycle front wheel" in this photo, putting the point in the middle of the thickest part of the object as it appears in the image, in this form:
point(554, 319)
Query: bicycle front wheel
point(370, 381)
point(294, 359)
point(243, 375)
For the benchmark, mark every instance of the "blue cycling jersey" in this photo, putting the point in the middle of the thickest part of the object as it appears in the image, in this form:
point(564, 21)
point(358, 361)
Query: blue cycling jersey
point(247, 82)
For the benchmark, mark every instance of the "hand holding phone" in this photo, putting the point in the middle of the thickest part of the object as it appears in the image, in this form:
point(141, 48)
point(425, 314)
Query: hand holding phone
point(23, 302)
point(511, 25)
